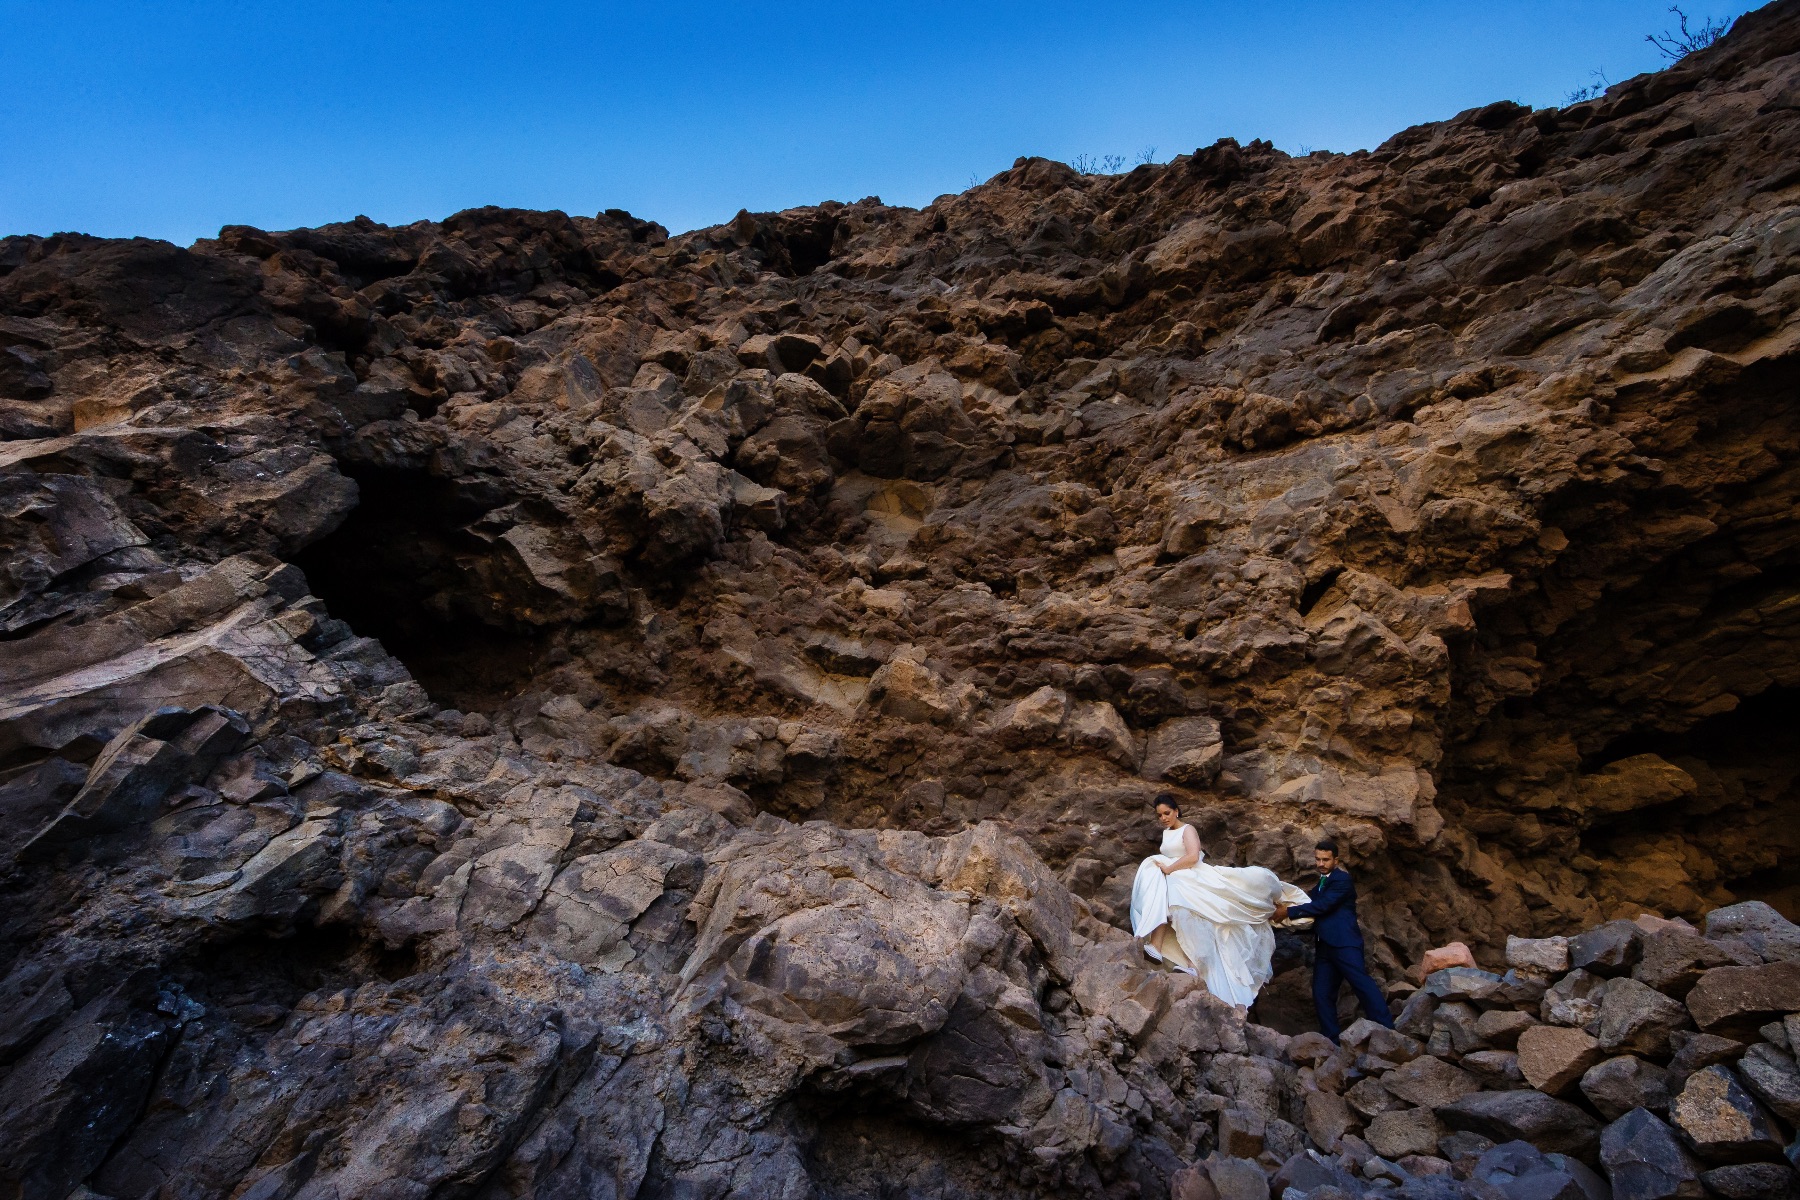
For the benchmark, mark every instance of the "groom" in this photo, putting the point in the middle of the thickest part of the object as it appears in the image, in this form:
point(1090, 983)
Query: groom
point(1339, 954)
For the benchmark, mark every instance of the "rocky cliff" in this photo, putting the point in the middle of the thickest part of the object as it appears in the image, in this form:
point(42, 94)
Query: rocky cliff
point(527, 705)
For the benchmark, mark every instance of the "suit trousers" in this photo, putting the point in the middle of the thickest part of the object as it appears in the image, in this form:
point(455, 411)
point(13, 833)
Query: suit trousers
point(1333, 965)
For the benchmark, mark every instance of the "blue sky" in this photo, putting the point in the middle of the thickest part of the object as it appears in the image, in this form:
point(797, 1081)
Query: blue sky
point(171, 118)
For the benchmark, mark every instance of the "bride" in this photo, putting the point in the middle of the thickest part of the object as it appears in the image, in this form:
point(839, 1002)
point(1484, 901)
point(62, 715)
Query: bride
point(1207, 920)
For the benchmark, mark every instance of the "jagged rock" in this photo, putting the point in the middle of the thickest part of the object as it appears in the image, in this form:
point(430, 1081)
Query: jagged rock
point(1609, 950)
point(1192, 1183)
point(1454, 1032)
point(36, 999)
point(1548, 955)
point(1758, 926)
point(1644, 1160)
point(1307, 1172)
point(1552, 1058)
point(1464, 983)
point(668, 665)
point(1694, 1051)
point(68, 1100)
point(1729, 999)
point(1752, 1181)
point(1774, 1079)
point(1368, 1098)
point(1389, 1045)
point(1553, 1126)
point(1497, 1069)
point(1430, 1082)
point(1502, 1026)
point(907, 689)
point(138, 769)
point(1415, 1016)
point(1721, 1121)
point(1519, 1169)
point(1638, 1019)
point(1407, 1131)
point(1523, 989)
point(1241, 1131)
point(1463, 1148)
point(1310, 1048)
point(1236, 1178)
point(1674, 961)
point(1574, 1000)
point(1618, 1085)
point(1327, 1118)
point(1035, 718)
point(1187, 750)
point(1098, 726)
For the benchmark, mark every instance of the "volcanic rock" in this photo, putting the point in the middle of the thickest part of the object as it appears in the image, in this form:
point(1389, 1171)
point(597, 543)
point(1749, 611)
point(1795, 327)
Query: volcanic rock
point(1549, 1124)
point(1752, 1181)
point(1618, 1085)
point(523, 704)
point(1552, 1058)
point(1407, 1131)
point(1731, 999)
point(1644, 1160)
point(1612, 949)
point(1772, 1076)
point(1548, 955)
point(1638, 1019)
point(1722, 1121)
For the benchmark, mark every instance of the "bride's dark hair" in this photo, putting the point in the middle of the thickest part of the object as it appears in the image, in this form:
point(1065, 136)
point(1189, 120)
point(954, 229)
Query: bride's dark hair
point(1169, 799)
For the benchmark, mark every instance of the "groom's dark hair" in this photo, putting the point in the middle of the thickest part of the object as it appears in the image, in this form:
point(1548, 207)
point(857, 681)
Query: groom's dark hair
point(1327, 844)
point(1169, 799)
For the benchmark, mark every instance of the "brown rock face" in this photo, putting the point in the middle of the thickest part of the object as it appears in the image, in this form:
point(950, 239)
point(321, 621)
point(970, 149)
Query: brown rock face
point(524, 705)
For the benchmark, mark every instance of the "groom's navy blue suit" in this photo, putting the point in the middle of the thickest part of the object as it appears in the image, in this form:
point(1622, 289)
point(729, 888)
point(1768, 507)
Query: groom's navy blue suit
point(1339, 953)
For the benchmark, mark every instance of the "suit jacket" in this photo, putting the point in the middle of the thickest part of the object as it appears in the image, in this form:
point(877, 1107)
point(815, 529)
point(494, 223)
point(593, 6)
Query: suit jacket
point(1333, 910)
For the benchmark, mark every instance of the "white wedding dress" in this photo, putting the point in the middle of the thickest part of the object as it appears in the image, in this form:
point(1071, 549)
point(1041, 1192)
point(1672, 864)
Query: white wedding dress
point(1219, 915)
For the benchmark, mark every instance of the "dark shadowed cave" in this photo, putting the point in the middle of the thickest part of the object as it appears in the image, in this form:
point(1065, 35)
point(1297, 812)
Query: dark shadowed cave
point(404, 568)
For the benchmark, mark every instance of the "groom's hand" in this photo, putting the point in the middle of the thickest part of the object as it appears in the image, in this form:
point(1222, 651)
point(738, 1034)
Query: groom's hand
point(1281, 912)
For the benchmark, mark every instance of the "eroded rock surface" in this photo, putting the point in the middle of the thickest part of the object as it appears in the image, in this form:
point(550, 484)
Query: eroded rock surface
point(526, 705)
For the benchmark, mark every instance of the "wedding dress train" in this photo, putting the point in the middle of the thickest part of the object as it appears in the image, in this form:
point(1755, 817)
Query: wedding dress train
point(1219, 916)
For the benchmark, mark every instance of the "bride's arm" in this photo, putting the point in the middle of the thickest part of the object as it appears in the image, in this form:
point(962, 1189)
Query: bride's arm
point(1190, 852)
